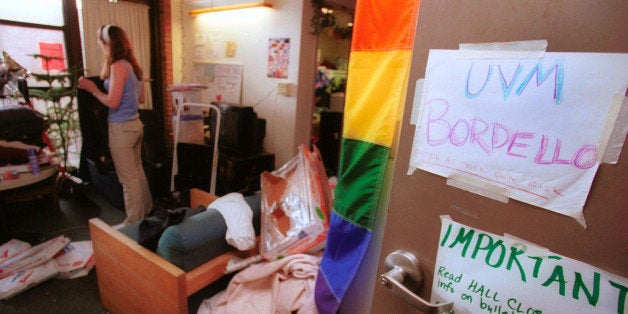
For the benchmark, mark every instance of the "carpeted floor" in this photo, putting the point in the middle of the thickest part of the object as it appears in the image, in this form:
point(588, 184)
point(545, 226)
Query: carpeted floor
point(37, 221)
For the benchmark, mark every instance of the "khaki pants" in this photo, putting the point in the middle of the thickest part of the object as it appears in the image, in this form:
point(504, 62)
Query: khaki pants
point(125, 144)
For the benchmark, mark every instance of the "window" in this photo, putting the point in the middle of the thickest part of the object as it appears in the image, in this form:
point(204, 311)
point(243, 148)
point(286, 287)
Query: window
point(25, 32)
point(21, 42)
point(48, 12)
point(51, 30)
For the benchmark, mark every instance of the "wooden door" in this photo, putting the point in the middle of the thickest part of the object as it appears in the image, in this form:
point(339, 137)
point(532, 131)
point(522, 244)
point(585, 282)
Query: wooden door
point(417, 201)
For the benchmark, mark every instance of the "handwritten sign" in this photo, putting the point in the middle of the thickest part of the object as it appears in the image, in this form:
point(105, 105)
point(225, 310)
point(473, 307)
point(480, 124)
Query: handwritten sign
point(224, 81)
point(530, 129)
point(484, 273)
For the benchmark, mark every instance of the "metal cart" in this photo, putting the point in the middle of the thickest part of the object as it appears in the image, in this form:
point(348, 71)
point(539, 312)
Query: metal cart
point(216, 134)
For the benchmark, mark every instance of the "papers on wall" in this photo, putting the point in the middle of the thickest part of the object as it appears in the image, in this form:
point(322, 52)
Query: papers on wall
point(485, 273)
point(224, 81)
point(531, 129)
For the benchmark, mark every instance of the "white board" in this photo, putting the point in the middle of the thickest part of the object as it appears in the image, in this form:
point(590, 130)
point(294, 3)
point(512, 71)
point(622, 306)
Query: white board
point(223, 81)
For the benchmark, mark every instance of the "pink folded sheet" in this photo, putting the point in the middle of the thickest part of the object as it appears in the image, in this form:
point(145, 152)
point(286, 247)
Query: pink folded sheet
point(281, 286)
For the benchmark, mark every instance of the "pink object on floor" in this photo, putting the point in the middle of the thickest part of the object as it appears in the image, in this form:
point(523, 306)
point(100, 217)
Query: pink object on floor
point(281, 286)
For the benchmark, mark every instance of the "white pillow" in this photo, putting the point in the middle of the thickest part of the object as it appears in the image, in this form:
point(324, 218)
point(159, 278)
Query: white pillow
point(239, 218)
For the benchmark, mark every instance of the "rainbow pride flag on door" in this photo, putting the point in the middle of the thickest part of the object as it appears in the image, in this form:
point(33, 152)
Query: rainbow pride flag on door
point(379, 64)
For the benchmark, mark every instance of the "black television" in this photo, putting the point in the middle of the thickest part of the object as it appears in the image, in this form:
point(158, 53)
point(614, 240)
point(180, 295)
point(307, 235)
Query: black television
point(241, 131)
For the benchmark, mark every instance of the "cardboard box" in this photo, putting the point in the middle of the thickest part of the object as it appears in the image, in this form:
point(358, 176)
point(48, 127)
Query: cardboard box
point(26, 278)
point(191, 129)
point(75, 260)
point(12, 249)
point(34, 256)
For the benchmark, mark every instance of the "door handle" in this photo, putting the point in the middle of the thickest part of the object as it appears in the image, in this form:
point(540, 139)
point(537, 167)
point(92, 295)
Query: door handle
point(404, 277)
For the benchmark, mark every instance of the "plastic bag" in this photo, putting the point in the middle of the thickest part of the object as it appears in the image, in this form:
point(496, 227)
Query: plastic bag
point(296, 201)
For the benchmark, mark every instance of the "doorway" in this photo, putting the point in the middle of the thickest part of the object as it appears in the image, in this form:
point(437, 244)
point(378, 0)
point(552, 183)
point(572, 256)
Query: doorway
point(333, 25)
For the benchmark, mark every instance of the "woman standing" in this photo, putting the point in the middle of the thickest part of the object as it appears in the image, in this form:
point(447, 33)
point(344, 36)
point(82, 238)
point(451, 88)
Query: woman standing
point(122, 77)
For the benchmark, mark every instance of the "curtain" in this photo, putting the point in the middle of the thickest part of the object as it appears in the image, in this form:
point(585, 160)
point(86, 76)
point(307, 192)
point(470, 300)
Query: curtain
point(131, 17)
point(379, 65)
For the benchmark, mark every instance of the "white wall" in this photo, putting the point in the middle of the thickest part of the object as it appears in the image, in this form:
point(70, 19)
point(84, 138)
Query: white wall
point(250, 29)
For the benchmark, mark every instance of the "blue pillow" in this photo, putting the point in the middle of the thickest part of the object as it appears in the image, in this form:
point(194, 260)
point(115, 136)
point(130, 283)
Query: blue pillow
point(201, 237)
point(194, 241)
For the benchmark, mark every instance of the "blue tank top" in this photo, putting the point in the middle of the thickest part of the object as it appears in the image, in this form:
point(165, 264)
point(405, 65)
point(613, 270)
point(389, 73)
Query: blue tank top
point(130, 95)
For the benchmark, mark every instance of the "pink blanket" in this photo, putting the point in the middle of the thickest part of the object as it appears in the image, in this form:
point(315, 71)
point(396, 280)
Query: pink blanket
point(281, 286)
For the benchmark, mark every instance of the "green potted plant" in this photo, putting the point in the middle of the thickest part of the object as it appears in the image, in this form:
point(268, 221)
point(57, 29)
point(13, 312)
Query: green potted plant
point(61, 115)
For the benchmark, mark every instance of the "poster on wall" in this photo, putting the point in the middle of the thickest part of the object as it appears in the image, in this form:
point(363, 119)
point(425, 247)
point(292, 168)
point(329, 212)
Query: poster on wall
point(482, 272)
point(223, 81)
point(531, 129)
point(278, 57)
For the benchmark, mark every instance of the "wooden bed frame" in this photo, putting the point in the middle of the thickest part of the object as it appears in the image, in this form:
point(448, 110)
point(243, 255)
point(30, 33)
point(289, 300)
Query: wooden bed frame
point(133, 279)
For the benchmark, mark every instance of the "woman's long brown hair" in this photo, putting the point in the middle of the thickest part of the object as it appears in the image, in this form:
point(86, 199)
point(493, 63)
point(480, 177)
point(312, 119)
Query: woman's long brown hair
point(119, 49)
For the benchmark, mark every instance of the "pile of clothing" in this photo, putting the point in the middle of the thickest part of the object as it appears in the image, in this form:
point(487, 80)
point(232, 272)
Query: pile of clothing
point(282, 286)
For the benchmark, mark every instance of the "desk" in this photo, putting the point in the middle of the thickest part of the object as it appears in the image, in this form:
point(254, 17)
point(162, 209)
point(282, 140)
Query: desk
point(27, 178)
point(27, 187)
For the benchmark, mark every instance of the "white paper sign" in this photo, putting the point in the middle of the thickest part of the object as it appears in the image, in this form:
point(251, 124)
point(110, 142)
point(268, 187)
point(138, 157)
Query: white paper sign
point(528, 128)
point(481, 272)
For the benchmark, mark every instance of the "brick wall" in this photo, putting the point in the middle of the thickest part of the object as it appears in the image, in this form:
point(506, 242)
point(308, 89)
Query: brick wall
point(166, 66)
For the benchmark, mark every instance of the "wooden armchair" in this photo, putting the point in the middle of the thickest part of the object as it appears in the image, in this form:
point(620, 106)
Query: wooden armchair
point(133, 279)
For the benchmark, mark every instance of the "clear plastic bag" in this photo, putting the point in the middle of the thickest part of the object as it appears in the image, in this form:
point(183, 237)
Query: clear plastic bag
point(296, 201)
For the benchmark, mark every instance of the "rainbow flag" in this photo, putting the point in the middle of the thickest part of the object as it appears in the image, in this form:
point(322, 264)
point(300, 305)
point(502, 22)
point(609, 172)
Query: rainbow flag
point(379, 64)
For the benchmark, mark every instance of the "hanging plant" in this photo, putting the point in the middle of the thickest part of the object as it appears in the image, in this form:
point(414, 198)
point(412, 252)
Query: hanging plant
point(324, 20)
point(323, 17)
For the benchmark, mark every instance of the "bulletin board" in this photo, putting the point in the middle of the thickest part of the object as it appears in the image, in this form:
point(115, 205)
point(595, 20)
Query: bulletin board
point(223, 81)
